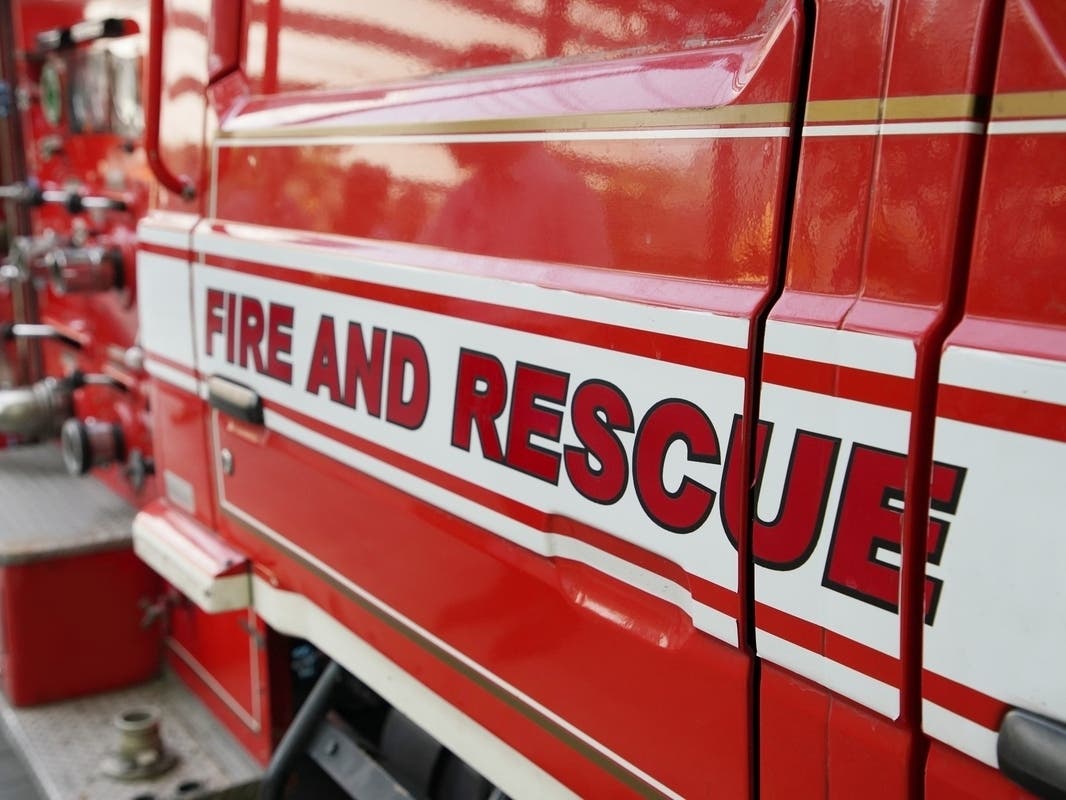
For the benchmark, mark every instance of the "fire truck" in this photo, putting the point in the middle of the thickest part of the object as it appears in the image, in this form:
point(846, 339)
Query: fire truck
point(544, 398)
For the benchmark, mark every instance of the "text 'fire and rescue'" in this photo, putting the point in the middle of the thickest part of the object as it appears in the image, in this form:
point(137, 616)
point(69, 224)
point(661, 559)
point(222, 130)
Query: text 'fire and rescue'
point(535, 402)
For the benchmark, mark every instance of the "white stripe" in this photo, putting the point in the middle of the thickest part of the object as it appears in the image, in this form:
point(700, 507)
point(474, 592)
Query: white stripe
point(331, 643)
point(1013, 375)
point(894, 128)
point(517, 776)
point(759, 132)
point(962, 734)
point(163, 301)
point(269, 246)
point(167, 230)
point(704, 617)
point(881, 697)
point(1027, 126)
point(952, 126)
point(172, 376)
point(867, 129)
point(889, 355)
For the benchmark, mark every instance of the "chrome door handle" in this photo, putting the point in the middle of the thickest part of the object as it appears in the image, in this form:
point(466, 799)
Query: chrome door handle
point(235, 399)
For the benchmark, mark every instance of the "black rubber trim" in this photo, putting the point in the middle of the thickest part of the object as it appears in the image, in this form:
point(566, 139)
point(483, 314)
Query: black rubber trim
point(1032, 753)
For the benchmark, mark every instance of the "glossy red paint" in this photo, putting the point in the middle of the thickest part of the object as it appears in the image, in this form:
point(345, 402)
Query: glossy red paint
point(226, 660)
point(879, 245)
point(794, 735)
point(182, 447)
point(183, 115)
point(603, 234)
point(950, 775)
point(293, 45)
point(443, 576)
point(861, 745)
point(1020, 213)
point(175, 183)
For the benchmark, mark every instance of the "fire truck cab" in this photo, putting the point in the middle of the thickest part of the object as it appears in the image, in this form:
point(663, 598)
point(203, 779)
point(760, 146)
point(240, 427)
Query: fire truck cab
point(545, 399)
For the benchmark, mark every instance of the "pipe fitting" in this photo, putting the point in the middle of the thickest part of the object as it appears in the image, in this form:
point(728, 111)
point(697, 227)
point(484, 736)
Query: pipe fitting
point(35, 411)
point(74, 270)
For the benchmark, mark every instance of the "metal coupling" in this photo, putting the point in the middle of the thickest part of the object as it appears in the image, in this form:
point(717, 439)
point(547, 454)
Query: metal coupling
point(73, 270)
point(140, 754)
point(87, 444)
point(35, 411)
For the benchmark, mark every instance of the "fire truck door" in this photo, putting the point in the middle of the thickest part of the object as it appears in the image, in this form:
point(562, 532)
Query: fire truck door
point(475, 305)
point(996, 642)
point(847, 557)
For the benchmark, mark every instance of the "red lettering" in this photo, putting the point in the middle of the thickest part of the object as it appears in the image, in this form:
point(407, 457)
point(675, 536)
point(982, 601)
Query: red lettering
point(215, 302)
point(480, 395)
point(323, 371)
point(870, 518)
point(598, 410)
point(533, 383)
point(279, 342)
point(787, 540)
point(683, 510)
point(408, 412)
point(231, 325)
point(364, 369)
point(252, 331)
point(945, 490)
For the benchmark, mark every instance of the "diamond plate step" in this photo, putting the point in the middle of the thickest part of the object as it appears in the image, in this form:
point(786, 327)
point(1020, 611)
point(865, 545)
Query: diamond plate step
point(46, 513)
point(63, 745)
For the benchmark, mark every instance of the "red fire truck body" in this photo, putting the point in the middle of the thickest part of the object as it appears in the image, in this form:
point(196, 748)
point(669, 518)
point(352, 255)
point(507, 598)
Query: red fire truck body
point(645, 399)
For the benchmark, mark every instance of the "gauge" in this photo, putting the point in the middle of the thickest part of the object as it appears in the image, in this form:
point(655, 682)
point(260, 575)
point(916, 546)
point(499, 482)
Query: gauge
point(126, 95)
point(52, 92)
point(90, 92)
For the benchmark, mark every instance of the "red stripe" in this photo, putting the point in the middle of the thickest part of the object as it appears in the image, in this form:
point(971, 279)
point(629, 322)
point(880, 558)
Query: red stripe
point(796, 373)
point(865, 386)
point(175, 365)
point(890, 391)
point(866, 660)
point(1015, 414)
point(966, 702)
point(648, 344)
point(832, 645)
point(719, 598)
point(163, 250)
point(798, 631)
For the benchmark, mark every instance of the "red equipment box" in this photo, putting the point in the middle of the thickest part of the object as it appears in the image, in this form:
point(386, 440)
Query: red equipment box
point(74, 599)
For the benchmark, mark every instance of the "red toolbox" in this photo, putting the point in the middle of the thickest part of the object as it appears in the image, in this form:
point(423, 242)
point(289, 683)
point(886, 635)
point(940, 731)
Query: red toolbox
point(75, 602)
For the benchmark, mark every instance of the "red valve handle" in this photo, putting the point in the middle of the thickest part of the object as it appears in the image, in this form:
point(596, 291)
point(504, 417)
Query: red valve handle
point(179, 184)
